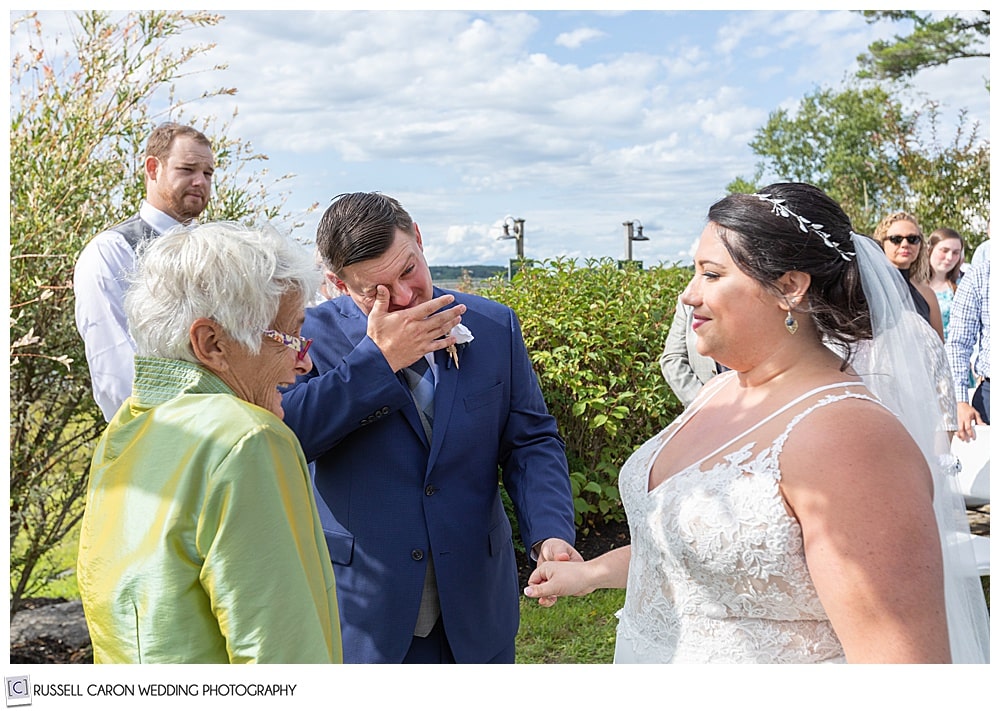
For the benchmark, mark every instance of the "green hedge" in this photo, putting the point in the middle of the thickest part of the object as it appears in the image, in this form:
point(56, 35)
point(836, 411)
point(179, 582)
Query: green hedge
point(595, 332)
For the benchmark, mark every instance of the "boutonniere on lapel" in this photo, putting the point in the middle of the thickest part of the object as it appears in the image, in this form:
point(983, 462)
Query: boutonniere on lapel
point(462, 337)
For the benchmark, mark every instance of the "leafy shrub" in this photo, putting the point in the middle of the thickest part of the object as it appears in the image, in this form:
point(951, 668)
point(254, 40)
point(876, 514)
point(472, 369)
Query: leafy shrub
point(595, 332)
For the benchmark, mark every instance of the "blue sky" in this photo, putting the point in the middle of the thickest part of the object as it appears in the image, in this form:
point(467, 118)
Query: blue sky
point(574, 121)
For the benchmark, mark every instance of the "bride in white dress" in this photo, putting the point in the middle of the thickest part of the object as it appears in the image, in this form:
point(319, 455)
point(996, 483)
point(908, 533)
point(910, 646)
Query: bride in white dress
point(789, 514)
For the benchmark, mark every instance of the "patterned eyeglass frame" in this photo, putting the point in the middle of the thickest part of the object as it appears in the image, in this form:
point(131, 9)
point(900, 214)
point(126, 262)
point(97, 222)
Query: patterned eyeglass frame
point(296, 343)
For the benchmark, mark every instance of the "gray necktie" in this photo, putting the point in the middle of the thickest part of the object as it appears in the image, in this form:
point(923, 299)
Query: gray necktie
point(420, 378)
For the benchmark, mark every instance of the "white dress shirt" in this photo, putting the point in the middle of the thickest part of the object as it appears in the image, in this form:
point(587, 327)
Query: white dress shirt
point(99, 283)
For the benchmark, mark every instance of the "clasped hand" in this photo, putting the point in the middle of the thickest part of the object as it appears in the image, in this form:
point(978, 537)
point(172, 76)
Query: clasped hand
point(556, 557)
point(405, 335)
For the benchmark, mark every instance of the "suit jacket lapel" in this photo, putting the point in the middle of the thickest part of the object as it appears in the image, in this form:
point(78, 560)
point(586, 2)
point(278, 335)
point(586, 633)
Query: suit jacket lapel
point(354, 323)
point(355, 326)
point(444, 396)
point(444, 399)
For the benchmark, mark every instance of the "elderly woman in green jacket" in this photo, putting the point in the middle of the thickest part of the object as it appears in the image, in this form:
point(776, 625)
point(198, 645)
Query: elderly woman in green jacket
point(200, 541)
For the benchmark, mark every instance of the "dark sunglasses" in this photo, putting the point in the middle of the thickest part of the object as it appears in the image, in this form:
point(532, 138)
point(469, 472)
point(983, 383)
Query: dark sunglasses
point(912, 239)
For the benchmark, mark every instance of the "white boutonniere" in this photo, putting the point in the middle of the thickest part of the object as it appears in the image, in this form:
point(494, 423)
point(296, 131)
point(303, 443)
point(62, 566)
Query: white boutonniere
point(462, 337)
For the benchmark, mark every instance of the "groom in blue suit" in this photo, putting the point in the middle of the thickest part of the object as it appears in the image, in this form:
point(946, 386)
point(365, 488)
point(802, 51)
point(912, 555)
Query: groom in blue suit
point(409, 493)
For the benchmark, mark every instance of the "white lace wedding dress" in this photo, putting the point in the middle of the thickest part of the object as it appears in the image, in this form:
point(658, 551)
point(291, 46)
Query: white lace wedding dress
point(718, 572)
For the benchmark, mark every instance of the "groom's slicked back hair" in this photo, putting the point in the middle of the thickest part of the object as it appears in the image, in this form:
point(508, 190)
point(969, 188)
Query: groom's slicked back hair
point(358, 227)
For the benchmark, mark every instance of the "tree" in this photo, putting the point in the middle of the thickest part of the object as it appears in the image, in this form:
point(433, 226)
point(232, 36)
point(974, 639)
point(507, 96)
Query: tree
point(874, 157)
point(839, 141)
point(79, 121)
point(932, 43)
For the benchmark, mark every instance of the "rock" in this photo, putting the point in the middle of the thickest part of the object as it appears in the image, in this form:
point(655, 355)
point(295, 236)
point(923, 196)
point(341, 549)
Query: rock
point(63, 621)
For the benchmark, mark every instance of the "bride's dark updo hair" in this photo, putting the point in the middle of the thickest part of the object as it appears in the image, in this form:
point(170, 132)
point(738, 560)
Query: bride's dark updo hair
point(797, 227)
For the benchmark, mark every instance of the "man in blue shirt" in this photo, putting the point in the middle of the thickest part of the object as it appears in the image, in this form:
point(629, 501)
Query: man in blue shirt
point(969, 343)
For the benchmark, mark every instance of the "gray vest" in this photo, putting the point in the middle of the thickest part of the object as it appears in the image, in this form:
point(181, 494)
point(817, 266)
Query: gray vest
point(135, 230)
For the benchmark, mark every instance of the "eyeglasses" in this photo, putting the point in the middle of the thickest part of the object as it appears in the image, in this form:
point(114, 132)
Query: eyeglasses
point(296, 343)
point(912, 239)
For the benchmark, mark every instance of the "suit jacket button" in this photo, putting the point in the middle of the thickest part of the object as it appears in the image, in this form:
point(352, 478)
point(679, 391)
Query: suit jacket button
point(417, 554)
point(429, 491)
point(385, 410)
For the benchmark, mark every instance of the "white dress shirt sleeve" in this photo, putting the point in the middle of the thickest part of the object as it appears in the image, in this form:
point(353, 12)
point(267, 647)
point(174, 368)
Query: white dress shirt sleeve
point(99, 283)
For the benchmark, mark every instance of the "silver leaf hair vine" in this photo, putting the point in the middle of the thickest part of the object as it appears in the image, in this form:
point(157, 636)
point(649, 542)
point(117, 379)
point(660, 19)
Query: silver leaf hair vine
point(779, 208)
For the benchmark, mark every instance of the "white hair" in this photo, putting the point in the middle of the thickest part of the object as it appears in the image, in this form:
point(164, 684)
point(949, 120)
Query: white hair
point(233, 274)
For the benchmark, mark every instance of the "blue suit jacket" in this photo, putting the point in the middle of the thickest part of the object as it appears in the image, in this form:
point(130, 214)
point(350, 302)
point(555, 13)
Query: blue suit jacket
point(387, 496)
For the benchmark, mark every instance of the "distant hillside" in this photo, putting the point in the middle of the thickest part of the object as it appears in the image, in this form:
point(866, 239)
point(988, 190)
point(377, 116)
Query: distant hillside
point(475, 271)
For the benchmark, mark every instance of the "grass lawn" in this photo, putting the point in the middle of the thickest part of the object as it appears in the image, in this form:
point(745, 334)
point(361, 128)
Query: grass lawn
point(63, 559)
point(59, 568)
point(576, 630)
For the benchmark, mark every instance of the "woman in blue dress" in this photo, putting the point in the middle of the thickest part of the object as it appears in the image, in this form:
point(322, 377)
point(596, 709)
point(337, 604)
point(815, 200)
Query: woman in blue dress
point(947, 250)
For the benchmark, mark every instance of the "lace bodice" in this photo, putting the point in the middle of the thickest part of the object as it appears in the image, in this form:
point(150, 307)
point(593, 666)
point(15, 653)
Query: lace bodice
point(718, 571)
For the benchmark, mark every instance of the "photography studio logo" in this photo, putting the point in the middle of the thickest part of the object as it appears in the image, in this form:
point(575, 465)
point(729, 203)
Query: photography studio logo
point(18, 691)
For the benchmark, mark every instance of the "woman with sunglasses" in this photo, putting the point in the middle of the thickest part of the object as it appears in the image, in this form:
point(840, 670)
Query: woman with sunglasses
point(200, 541)
point(903, 243)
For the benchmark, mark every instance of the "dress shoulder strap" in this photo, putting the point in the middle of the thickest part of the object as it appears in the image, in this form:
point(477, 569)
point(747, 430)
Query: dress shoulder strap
point(779, 411)
point(707, 392)
point(779, 442)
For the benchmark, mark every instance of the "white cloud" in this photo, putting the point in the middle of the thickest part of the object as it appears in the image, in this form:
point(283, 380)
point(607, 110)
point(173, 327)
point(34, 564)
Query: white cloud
point(576, 38)
point(470, 116)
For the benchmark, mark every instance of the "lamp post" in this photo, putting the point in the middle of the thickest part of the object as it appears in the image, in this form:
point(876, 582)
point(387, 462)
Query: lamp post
point(518, 226)
point(515, 225)
point(631, 237)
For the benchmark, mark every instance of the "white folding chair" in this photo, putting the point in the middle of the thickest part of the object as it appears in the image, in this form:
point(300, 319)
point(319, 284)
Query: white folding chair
point(974, 479)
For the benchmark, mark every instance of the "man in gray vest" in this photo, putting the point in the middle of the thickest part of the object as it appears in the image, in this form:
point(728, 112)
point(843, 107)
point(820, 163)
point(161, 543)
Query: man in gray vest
point(178, 168)
point(683, 367)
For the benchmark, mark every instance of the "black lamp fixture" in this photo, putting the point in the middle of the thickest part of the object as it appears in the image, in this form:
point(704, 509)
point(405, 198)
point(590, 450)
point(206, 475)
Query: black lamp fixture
point(632, 236)
point(517, 225)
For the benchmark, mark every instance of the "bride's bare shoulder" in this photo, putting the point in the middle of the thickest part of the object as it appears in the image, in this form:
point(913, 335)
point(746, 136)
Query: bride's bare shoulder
point(852, 439)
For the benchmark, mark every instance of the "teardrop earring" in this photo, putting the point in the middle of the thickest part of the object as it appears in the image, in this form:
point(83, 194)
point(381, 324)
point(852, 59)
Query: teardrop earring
point(791, 324)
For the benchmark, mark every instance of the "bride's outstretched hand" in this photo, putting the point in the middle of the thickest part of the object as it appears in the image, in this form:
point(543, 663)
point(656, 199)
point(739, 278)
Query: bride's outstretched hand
point(553, 579)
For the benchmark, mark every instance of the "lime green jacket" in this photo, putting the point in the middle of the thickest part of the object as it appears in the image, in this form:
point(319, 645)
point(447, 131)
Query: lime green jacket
point(200, 542)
